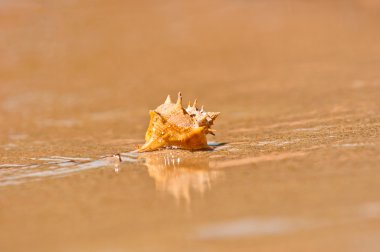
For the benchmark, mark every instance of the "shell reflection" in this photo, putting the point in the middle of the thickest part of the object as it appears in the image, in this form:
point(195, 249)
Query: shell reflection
point(179, 175)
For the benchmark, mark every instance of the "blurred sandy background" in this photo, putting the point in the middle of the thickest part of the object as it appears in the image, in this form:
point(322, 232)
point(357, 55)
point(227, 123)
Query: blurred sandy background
point(295, 80)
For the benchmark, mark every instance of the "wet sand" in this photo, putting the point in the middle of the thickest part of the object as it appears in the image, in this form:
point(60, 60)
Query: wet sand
point(298, 85)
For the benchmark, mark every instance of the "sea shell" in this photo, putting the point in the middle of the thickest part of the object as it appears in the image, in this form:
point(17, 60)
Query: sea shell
point(171, 125)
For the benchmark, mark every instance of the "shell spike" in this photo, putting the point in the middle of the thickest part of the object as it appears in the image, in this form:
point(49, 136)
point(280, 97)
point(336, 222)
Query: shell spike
point(179, 99)
point(195, 103)
point(211, 131)
point(213, 115)
point(202, 109)
point(168, 100)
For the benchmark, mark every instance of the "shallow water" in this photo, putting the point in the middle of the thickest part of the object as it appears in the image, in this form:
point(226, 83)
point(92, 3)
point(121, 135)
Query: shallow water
point(299, 90)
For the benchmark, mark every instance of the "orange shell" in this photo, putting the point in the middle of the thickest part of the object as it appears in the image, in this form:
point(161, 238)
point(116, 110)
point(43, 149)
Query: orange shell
point(173, 126)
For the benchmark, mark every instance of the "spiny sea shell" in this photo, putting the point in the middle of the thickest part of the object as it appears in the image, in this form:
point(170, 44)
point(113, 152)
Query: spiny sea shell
point(171, 125)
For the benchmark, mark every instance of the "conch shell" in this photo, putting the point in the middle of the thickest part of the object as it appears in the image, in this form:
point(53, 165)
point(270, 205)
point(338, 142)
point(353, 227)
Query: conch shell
point(171, 125)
